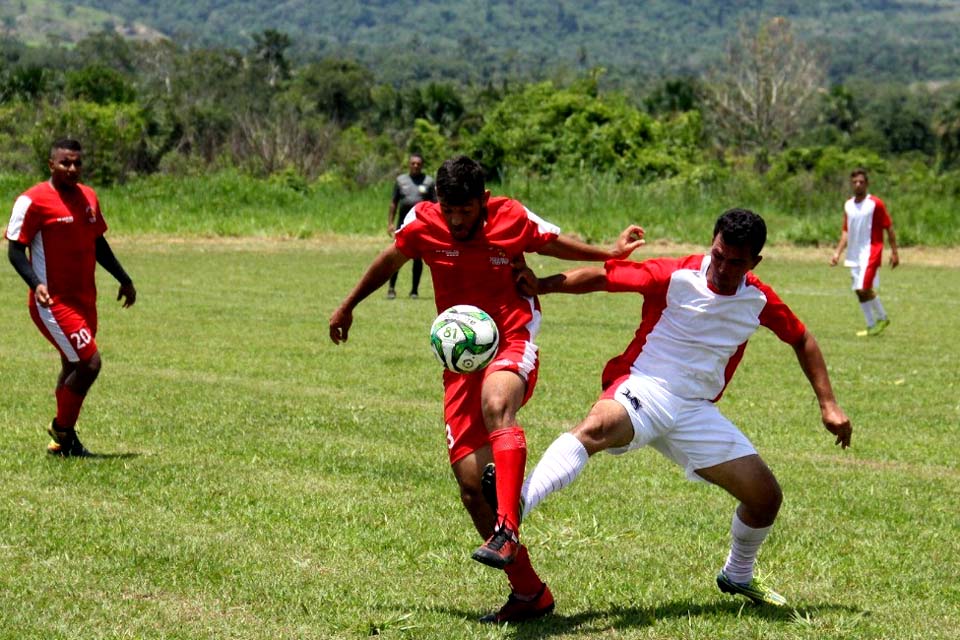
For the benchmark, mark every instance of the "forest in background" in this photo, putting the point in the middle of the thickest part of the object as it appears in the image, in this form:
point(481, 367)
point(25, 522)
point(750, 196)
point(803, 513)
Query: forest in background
point(483, 40)
point(765, 110)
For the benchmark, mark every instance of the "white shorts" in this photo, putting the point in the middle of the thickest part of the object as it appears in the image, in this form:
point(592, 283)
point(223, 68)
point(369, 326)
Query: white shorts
point(864, 277)
point(692, 433)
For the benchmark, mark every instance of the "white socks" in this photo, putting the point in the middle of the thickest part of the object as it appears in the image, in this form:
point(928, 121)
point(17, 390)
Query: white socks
point(873, 310)
point(744, 546)
point(878, 311)
point(561, 463)
point(867, 308)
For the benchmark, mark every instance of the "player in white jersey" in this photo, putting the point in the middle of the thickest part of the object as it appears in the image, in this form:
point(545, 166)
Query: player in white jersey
point(865, 218)
point(698, 313)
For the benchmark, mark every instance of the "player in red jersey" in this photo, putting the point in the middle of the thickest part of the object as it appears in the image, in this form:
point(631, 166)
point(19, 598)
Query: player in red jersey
point(865, 218)
point(60, 222)
point(472, 242)
point(698, 313)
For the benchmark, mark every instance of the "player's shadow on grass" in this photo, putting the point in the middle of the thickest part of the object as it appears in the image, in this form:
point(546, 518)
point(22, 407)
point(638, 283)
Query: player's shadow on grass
point(100, 456)
point(634, 617)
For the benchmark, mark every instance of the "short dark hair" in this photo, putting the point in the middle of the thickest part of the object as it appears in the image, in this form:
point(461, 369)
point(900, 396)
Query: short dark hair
point(742, 227)
point(860, 171)
point(460, 180)
point(416, 154)
point(66, 143)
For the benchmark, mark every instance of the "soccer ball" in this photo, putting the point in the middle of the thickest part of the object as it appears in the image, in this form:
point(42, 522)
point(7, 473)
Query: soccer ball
point(464, 338)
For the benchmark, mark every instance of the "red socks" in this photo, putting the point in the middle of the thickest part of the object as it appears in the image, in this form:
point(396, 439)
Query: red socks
point(523, 579)
point(510, 455)
point(68, 407)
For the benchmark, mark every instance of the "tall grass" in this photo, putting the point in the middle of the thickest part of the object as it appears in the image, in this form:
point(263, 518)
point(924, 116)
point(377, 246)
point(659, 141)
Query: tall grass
point(799, 210)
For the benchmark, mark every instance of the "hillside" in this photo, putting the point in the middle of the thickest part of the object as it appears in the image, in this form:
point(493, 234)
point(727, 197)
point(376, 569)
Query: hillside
point(480, 40)
point(41, 22)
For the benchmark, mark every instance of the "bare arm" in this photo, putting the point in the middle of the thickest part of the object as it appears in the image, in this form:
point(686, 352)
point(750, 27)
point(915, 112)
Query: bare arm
point(815, 368)
point(582, 280)
point(391, 218)
point(892, 239)
point(567, 248)
point(840, 247)
point(379, 271)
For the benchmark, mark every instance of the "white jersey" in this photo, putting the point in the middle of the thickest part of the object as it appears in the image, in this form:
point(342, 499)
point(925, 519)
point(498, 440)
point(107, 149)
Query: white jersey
point(690, 337)
point(864, 223)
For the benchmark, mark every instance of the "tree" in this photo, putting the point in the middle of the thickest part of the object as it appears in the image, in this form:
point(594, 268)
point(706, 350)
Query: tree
point(339, 89)
point(948, 135)
point(98, 84)
point(673, 95)
point(897, 120)
point(269, 48)
point(760, 96)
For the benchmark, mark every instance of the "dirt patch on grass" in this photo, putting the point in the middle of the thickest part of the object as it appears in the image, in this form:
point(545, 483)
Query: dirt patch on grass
point(925, 256)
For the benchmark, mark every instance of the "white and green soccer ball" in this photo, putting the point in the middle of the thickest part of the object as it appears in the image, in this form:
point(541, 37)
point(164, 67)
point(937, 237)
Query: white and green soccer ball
point(464, 338)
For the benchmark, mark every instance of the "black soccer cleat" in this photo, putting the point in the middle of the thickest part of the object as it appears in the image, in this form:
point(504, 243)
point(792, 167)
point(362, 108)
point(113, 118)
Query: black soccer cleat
point(500, 549)
point(65, 443)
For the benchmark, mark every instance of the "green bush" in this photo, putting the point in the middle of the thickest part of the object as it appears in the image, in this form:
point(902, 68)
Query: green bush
point(111, 136)
point(428, 140)
point(546, 130)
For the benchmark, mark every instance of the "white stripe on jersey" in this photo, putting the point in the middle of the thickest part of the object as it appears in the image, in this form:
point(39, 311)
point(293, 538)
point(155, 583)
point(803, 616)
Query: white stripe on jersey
point(38, 259)
point(16, 217)
point(530, 349)
point(410, 217)
point(542, 225)
point(57, 333)
point(529, 358)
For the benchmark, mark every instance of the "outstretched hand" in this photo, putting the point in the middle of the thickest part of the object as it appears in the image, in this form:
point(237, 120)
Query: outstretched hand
point(630, 239)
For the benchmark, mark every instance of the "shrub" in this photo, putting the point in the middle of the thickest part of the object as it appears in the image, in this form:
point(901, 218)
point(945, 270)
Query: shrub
point(111, 136)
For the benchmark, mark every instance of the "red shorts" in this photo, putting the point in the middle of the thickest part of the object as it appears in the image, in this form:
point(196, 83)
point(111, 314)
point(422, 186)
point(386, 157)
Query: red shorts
point(462, 411)
point(69, 327)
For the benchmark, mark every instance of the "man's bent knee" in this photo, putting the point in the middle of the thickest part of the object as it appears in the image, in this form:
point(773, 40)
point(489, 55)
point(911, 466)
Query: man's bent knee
point(93, 364)
point(606, 426)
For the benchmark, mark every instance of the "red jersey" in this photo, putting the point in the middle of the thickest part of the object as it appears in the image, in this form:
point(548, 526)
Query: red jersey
point(61, 228)
point(477, 271)
point(690, 337)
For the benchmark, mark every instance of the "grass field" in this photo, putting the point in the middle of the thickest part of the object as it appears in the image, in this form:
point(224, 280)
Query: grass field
point(258, 482)
point(596, 207)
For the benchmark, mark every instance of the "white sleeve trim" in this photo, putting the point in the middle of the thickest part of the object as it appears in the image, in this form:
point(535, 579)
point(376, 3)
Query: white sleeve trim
point(542, 225)
point(16, 217)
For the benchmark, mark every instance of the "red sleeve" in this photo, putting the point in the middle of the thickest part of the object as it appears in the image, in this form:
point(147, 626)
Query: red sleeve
point(777, 316)
point(644, 277)
point(538, 231)
point(407, 236)
point(881, 219)
point(101, 227)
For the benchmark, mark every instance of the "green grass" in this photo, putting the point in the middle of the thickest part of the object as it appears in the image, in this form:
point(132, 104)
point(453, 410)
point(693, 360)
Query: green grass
point(230, 204)
point(259, 482)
